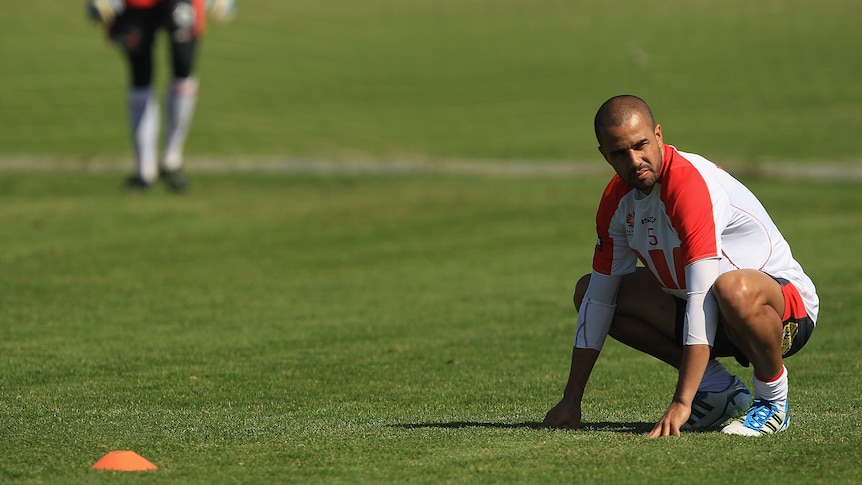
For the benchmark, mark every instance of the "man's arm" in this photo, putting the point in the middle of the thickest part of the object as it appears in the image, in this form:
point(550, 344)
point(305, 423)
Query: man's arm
point(595, 314)
point(567, 413)
point(694, 360)
point(701, 320)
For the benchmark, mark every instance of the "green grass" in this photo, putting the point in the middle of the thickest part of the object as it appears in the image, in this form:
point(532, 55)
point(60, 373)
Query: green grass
point(392, 328)
point(741, 81)
point(366, 329)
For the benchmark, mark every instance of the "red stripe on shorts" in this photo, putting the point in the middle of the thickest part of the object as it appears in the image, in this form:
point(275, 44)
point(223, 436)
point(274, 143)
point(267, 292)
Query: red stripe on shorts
point(794, 308)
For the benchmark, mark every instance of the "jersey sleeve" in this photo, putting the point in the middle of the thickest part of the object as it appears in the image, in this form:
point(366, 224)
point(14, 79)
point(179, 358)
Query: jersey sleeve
point(612, 255)
point(694, 207)
point(597, 311)
point(701, 311)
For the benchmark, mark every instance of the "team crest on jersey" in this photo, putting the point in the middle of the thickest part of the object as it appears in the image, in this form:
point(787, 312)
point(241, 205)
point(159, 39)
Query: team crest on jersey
point(630, 219)
point(599, 245)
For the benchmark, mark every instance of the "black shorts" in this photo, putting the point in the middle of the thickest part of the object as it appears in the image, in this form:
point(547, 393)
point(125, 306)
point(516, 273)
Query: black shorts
point(797, 327)
point(180, 18)
point(134, 30)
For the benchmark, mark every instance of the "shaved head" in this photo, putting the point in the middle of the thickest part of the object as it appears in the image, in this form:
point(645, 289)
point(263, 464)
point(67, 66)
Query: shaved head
point(620, 109)
point(631, 141)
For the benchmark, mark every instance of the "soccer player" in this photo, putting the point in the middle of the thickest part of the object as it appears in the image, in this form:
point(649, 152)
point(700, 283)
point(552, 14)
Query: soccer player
point(717, 280)
point(133, 25)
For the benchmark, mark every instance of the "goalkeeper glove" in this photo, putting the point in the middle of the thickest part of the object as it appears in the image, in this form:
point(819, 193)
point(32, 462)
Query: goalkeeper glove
point(221, 10)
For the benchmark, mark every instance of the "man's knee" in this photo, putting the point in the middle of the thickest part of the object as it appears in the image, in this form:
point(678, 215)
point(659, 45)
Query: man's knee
point(742, 294)
point(731, 290)
point(580, 290)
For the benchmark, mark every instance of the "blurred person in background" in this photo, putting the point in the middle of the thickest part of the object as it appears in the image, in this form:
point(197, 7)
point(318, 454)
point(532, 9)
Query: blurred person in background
point(133, 25)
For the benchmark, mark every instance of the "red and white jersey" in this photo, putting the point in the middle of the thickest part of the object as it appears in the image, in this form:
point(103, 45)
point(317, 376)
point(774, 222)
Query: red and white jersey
point(695, 212)
point(198, 5)
point(141, 3)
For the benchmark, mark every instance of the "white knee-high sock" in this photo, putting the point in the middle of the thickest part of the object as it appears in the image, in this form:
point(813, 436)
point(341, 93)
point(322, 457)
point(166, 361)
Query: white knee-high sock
point(181, 100)
point(773, 388)
point(144, 119)
point(715, 378)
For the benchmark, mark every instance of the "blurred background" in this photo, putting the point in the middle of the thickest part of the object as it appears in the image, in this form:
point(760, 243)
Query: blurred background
point(740, 82)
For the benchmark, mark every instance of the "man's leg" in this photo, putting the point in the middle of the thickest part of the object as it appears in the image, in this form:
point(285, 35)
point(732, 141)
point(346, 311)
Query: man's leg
point(144, 119)
point(751, 304)
point(645, 317)
point(134, 31)
point(181, 98)
point(180, 18)
point(646, 320)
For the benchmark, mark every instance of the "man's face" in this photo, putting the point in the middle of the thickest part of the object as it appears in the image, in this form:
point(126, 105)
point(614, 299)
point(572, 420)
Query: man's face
point(634, 149)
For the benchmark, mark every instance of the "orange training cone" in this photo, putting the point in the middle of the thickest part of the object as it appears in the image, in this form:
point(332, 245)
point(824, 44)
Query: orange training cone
point(124, 460)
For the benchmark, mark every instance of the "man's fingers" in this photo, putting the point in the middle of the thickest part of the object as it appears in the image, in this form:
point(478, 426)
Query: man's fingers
point(663, 429)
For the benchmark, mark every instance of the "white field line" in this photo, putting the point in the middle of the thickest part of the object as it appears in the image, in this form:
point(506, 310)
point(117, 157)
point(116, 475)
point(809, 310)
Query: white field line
point(823, 171)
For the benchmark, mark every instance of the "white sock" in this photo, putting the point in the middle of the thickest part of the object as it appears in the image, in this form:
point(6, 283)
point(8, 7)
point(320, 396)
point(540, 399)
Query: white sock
point(144, 119)
point(181, 101)
point(715, 377)
point(774, 389)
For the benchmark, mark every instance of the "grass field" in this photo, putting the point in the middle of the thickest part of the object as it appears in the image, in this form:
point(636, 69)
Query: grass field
point(368, 327)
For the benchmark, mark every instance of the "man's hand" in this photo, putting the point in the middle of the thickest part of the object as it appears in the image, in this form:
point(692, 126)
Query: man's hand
point(221, 10)
point(565, 415)
point(105, 11)
point(675, 416)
